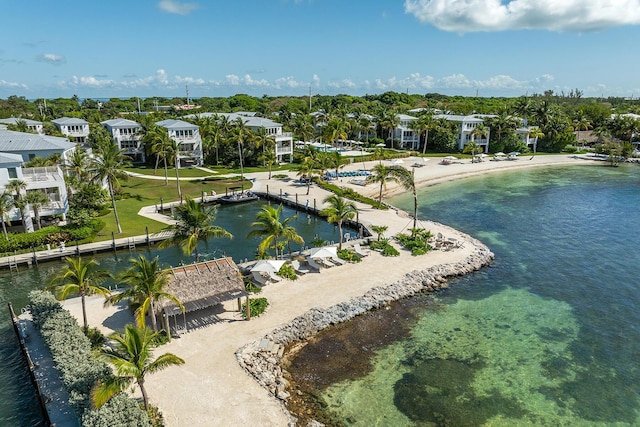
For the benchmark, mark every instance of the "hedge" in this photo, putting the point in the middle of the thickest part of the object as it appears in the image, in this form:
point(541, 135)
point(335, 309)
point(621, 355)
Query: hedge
point(72, 355)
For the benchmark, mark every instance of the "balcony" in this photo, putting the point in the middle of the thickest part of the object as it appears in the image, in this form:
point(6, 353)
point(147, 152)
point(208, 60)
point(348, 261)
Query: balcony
point(48, 174)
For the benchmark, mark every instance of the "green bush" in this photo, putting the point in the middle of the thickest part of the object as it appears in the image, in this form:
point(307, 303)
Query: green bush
point(250, 286)
point(118, 411)
point(347, 193)
point(348, 255)
point(257, 307)
point(384, 247)
point(52, 235)
point(72, 354)
point(417, 242)
point(288, 272)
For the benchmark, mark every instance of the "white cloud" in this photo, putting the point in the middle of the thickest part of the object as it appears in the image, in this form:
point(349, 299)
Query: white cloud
point(464, 16)
point(91, 81)
point(52, 58)
point(189, 80)
point(316, 80)
point(287, 82)
point(342, 84)
point(176, 7)
point(12, 85)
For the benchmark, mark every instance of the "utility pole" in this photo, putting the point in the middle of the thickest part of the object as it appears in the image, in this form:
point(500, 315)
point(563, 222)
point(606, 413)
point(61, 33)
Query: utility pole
point(309, 98)
point(187, 87)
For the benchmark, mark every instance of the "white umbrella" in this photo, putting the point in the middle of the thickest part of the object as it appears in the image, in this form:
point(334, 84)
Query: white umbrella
point(381, 145)
point(513, 153)
point(268, 265)
point(451, 158)
point(424, 159)
point(324, 252)
point(500, 154)
point(397, 161)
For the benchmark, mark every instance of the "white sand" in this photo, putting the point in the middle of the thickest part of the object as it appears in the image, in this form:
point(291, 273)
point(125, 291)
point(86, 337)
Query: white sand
point(211, 389)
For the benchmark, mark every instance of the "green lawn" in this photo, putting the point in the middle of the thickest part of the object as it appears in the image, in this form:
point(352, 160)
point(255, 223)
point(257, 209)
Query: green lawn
point(183, 173)
point(146, 192)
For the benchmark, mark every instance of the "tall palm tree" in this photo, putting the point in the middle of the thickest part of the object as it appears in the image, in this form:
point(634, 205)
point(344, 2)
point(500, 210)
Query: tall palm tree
point(406, 178)
point(36, 199)
point(339, 210)
point(131, 355)
point(146, 282)
point(77, 163)
point(382, 174)
point(269, 226)
point(108, 165)
point(6, 204)
point(194, 223)
point(241, 133)
point(306, 170)
point(479, 132)
point(17, 186)
point(82, 277)
point(161, 145)
point(535, 133)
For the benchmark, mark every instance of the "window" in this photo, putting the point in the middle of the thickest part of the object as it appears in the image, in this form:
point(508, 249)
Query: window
point(32, 156)
point(13, 174)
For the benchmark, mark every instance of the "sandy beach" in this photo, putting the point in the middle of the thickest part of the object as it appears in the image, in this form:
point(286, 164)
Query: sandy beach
point(211, 389)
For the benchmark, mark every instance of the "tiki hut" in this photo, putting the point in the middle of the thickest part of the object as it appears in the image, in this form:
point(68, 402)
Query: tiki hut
point(202, 285)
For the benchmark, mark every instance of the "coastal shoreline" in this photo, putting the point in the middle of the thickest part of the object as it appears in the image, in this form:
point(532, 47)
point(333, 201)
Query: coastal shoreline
point(212, 388)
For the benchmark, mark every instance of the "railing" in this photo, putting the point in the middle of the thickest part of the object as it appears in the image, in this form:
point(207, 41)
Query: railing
point(42, 174)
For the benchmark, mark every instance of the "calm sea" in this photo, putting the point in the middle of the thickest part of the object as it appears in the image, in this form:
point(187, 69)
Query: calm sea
point(549, 335)
point(18, 404)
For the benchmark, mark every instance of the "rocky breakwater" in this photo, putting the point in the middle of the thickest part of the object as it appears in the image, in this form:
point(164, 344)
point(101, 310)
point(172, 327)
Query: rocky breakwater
point(262, 358)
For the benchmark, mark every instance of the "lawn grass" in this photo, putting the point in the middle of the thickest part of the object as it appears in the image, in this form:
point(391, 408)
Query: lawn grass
point(183, 173)
point(140, 192)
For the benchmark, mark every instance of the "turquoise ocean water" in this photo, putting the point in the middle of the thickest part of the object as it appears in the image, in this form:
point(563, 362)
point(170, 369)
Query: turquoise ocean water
point(549, 335)
point(18, 404)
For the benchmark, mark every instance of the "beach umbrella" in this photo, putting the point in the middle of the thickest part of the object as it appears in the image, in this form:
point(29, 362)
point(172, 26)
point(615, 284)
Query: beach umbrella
point(451, 158)
point(268, 265)
point(324, 252)
point(381, 145)
point(397, 161)
point(500, 154)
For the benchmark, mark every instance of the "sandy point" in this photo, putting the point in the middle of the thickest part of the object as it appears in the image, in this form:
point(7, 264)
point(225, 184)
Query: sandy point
point(211, 389)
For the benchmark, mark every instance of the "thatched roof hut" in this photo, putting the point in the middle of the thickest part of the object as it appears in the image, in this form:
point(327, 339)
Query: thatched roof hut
point(204, 285)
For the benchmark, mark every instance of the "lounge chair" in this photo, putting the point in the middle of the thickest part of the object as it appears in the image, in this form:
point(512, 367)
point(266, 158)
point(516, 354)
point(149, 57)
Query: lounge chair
point(359, 251)
point(338, 261)
point(274, 277)
point(314, 264)
point(299, 268)
point(326, 262)
point(258, 278)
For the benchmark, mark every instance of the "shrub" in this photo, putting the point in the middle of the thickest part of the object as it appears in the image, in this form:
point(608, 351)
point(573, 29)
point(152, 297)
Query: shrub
point(288, 272)
point(385, 248)
point(348, 255)
point(72, 354)
point(347, 193)
point(257, 307)
point(280, 176)
point(250, 286)
point(417, 242)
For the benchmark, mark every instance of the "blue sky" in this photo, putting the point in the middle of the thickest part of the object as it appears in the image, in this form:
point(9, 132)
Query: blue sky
point(145, 48)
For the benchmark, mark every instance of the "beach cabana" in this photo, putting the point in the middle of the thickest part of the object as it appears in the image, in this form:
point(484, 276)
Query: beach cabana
point(202, 285)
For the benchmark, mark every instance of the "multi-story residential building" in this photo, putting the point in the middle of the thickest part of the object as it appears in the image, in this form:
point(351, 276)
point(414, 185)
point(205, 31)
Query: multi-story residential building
point(467, 130)
point(31, 145)
point(48, 180)
point(283, 140)
point(76, 129)
point(33, 125)
point(407, 137)
point(127, 134)
point(524, 133)
point(187, 136)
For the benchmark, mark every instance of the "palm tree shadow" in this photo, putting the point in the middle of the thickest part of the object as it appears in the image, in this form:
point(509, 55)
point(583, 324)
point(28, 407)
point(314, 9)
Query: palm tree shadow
point(120, 318)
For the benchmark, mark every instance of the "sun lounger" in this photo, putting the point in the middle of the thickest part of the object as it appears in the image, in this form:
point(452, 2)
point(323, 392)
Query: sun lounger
point(258, 278)
point(274, 277)
point(359, 251)
point(326, 262)
point(314, 264)
point(299, 268)
point(338, 261)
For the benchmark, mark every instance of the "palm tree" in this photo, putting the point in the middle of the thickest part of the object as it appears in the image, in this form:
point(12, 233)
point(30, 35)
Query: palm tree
point(241, 133)
point(382, 174)
point(17, 186)
point(108, 165)
point(306, 169)
point(80, 277)
point(146, 282)
point(269, 226)
point(379, 230)
point(535, 133)
point(406, 178)
point(36, 199)
point(6, 204)
point(161, 146)
point(77, 163)
point(339, 210)
point(479, 132)
point(131, 356)
point(194, 223)
point(419, 126)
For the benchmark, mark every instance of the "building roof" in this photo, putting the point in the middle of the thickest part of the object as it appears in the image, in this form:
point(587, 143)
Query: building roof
point(15, 120)
point(176, 124)
point(121, 123)
point(10, 158)
point(458, 118)
point(406, 117)
point(11, 141)
point(204, 284)
point(69, 121)
point(249, 119)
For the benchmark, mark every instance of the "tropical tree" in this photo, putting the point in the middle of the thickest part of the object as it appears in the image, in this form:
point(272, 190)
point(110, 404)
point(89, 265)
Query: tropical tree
point(161, 146)
point(146, 281)
point(306, 170)
point(81, 277)
point(406, 178)
point(379, 230)
point(339, 210)
point(131, 356)
point(479, 132)
point(381, 174)
point(241, 133)
point(108, 165)
point(6, 204)
point(419, 126)
point(269, 226)
point(389, 121)
point(194, 223)
point(36, 199)
point(76, 166)
point(536, 134)
point(17, 186)
point(268, 157)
